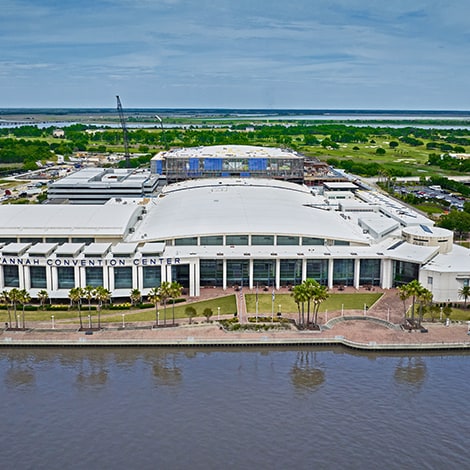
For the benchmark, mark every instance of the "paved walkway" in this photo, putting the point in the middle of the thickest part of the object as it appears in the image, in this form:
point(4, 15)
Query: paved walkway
point(352, 333)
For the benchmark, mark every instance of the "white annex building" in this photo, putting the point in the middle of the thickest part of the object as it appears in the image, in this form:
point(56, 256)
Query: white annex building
point(225, 232)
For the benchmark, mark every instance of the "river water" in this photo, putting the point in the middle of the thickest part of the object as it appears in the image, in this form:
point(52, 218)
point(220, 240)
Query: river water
point(232, 409)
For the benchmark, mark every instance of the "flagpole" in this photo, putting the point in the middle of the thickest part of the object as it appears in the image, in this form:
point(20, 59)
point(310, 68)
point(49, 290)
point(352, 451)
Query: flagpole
point(256, 302)
point(272, 306)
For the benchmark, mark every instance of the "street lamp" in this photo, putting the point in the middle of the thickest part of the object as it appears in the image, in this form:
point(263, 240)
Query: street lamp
point(89, 321)
point(123, 315)
point(52, 320)
point(218, 313)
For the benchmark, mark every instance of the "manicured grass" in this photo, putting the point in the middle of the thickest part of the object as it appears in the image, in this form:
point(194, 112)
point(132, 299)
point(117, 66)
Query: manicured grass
point(334, 302)
point(227, 306)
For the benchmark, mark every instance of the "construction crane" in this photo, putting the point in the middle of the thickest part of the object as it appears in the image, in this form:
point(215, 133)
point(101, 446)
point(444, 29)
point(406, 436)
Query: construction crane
point(124, 130)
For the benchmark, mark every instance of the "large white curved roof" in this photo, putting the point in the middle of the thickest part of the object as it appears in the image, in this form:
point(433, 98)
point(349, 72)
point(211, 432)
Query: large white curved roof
point(241, 206)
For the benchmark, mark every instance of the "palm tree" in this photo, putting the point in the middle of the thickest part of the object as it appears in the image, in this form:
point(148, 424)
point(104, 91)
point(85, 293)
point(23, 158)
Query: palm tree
point(43, 296)
point(135, 296)
point(154, 297)
point(299, 292)
point(102, 295)
point(75, 296)
point(319, 295)
point(15, 298)
point(403, 294)
point(424, 298)
point(176, 290)
point(25, 298)
point(415, 290)
point(89, 294)
point(164, 293)
point(5, 299)
point(464, 293)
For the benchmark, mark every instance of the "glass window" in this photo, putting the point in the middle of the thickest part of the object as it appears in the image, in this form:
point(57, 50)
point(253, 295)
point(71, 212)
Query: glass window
point(236, 240)
point(369, 272)
point(312, 241)
point(211, 272)
point(152, 276)
point(66, 277)
point(291, 271)
point(237, 272)
point(262, 239)
point(94, 276)
point(57, 240)
point(30, 240)
point(11, 276)
point(264, 271)
point(318, 269)
point(343, 272)
point(284, 240)
point(212, 240)
point(83, 240)
point(38, 277)
point(186, 241)
point(404, 272)
point(180, 273)
point(7, 240)
point(340, 243)
point(123, 278)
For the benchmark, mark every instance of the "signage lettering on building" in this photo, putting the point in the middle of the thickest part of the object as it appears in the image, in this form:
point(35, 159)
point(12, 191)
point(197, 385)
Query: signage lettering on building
point(87, 262)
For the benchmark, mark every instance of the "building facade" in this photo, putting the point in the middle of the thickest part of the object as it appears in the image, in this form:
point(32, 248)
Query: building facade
point(227, 232)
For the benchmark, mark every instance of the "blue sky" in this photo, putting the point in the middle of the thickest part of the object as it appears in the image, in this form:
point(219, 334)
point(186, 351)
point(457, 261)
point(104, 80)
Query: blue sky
point(335, 54)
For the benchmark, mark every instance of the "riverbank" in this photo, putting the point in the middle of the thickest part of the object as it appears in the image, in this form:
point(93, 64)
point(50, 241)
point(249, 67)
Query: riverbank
point(363, 335)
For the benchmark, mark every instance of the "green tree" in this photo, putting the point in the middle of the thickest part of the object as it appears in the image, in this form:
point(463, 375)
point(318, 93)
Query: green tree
point(75, 296)
point(5, 300)
point(464, 293)
point(416, 291)
point(136, 297)
point(393, 144)
point(43, 296)
point(24, 298)
point(15, 299)
point(103, 296)
point(300, 296)
point(89, 294)
point(154, 297)
point(380, 151)
point(208, 313)
point(424, 299)
point(164, 291)
point(319, 295)
point(190, 312)
point(175, 291)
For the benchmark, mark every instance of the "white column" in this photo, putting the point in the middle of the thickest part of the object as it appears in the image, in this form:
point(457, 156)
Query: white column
point(224, 274)
point(278, 273)
point(357, 271)
point(304, 270)
point(80, 277)
point(250, 274)
point(386, 274)
point(49, 279)
point(330, 273)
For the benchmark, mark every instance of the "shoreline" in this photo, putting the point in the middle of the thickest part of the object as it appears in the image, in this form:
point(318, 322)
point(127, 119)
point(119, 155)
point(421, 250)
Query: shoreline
point(353, 334)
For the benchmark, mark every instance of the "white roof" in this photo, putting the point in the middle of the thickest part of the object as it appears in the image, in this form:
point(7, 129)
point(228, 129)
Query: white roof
point(240, 206)
point(456, 261)
point(227, 151)
point(65, 220)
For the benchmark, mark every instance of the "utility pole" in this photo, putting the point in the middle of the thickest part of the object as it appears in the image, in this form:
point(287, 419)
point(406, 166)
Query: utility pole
point(124, 130)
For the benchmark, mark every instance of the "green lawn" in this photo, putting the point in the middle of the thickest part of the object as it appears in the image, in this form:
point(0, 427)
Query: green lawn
point(227, 305)
point(334, 302)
